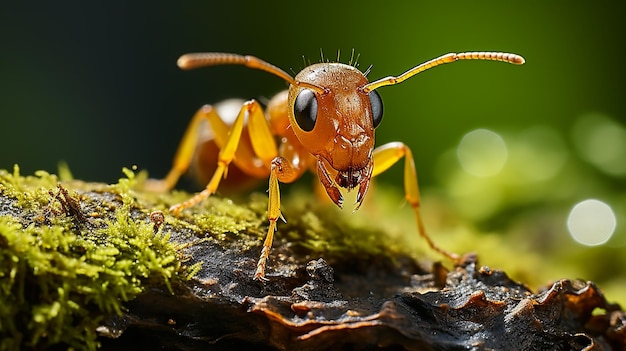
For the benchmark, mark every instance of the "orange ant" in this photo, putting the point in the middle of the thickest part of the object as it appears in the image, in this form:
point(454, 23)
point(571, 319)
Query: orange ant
point(324, 122)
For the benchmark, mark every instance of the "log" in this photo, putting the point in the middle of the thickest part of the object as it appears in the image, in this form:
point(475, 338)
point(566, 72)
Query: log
point(96, 266)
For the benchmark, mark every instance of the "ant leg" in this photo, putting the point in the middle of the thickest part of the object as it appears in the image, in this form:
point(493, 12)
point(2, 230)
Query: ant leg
point(387, 155)
point(187, 147)
point(273, 213)
point(258, 130)
point(284, 171)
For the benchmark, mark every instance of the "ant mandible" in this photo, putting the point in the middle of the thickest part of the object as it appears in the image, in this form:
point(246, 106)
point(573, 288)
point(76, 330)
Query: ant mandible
point(324, 122)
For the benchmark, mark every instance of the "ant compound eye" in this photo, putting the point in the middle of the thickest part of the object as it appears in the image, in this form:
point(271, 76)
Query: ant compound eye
point(377, 107)
point(305, 109)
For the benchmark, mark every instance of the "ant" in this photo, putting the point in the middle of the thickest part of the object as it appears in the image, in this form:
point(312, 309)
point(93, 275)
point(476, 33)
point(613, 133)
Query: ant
point(324, 122)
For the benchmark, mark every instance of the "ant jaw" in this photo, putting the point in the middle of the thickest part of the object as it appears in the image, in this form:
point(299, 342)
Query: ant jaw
point(328, 184)
point(351, 178)
point(364, 185)
point(348, 180)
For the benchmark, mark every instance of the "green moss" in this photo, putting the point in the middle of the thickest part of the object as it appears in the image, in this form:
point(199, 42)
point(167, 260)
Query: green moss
point(63, 272)
point(219, 218)
point(30, 192)
point(323, 230)
point(59, 277)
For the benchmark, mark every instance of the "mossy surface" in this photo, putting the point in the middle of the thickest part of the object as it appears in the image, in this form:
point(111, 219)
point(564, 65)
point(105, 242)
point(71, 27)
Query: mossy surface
point(85, 265)
point(63, 273)
point(65, 269)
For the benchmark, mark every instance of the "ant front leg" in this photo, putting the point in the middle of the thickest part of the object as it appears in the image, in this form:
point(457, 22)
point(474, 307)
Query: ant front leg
point(284, 171)
point(262, 143)
point(387, 155)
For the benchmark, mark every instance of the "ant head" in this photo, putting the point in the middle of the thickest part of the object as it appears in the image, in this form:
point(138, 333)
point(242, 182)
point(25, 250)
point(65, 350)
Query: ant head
point(333, 117)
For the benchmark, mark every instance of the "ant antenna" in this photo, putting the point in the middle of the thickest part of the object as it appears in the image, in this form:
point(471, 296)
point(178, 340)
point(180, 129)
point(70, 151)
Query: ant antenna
point(197, 60)
point(447, 58)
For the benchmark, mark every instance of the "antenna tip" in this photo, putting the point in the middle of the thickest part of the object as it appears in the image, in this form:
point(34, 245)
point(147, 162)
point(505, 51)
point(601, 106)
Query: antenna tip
point(517, 59)
point(183, 62)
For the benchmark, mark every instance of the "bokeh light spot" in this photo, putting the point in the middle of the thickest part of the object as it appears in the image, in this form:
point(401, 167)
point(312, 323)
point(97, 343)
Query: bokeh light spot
point(539, 154)
point(482, 153)
point(602, 142)
point(591, 222)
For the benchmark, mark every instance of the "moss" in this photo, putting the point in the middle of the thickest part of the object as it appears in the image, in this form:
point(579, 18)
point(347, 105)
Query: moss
point(64, 271)
point(73, 254)
point(60, 278)
point(70, 260)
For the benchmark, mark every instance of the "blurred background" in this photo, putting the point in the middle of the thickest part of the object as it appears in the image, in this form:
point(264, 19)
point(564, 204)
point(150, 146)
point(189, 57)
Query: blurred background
point(524, 164)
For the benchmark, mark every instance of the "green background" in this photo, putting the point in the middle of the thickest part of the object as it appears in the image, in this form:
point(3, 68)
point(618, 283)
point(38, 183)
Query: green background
point(96, 85)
